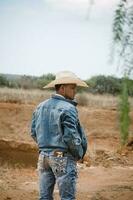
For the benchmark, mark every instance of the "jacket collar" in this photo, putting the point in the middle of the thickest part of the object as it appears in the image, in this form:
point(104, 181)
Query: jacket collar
point(60, 97)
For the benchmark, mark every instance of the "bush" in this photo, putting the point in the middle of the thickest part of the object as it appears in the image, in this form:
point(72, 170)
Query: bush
point(82, 99)
point(3, 81)
point(102, 84)
point(44, 80)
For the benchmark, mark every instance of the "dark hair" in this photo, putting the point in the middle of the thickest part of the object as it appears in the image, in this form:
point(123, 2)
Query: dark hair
point(57, 87)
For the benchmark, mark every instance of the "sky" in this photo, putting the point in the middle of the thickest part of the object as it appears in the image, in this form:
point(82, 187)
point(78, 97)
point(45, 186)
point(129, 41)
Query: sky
point(47, 36)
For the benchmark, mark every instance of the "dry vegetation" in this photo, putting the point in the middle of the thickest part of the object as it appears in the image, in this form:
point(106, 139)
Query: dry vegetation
point(35, 96)
point(22, 96)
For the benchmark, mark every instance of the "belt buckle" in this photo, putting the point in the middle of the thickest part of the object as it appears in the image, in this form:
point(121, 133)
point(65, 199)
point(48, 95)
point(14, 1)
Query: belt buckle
point(59, 154)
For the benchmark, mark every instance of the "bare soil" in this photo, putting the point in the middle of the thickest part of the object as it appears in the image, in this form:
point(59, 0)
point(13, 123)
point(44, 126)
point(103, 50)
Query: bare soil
point(106, 173)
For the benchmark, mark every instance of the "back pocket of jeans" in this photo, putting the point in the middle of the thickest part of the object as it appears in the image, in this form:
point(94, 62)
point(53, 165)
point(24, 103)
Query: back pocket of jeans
point(58, 165)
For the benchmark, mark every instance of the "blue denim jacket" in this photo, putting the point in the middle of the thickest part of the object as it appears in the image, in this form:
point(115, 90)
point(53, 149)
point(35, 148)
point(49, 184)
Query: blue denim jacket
point(55, 125)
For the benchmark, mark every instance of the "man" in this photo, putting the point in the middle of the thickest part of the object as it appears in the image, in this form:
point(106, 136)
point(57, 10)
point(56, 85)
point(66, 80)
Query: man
point(60, 138)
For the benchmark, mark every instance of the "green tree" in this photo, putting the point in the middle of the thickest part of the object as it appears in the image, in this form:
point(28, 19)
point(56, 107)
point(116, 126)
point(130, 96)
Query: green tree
point(124, 112)
point(44, 80)
point(123, 46)
point(104, 84)
point(3, 81)
point(123, 36)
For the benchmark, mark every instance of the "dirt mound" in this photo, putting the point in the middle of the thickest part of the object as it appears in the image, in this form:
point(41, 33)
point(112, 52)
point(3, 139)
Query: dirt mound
point(109, 159)
point(6, 144)
point(15, 121)
point(20, 154)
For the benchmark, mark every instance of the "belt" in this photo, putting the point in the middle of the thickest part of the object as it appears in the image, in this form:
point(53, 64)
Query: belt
point(58, 153)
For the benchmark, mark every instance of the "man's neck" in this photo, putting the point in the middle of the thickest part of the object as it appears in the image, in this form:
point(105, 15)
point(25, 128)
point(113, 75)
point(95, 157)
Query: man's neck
point(60, 95)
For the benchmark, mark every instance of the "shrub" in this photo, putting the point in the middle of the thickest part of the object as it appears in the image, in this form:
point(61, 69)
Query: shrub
point(3, 81)
point(102, 84)
point(82, 99)
point(124, 109)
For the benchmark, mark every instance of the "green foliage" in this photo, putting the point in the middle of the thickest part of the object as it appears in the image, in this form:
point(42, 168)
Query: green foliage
point(123, 42)
point(118, 22)
point(3, 81)
point(124, 109)
point(44, 80)
point(123, 36)
point(130, 87)
point(104, 84)
point(98, 84)
point(26, 82)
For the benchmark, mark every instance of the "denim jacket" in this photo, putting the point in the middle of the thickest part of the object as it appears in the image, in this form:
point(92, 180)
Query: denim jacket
point(55, 125)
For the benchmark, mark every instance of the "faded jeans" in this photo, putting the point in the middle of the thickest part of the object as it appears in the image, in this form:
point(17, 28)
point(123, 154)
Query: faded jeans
point(57, 169)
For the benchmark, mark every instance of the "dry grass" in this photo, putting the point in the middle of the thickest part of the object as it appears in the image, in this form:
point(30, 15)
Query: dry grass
point(100, 101)
point(97, 100)
point(23, 96)
point(36, 96)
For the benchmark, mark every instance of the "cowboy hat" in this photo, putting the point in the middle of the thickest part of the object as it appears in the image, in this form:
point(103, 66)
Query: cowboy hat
point(66, 77)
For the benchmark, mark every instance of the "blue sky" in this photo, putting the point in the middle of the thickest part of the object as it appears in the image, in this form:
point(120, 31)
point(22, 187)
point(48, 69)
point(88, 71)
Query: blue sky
point(46, 36)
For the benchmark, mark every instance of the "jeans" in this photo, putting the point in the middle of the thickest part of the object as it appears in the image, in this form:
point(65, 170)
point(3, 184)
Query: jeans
point(57, 169)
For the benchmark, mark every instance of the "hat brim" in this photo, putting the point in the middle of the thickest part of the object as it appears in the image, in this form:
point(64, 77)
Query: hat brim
point(66, 80)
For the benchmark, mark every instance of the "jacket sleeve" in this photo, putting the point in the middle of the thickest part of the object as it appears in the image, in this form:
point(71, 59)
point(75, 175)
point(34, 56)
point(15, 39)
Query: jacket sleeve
point(33, 126)
point(71, 135)
point(84, 139)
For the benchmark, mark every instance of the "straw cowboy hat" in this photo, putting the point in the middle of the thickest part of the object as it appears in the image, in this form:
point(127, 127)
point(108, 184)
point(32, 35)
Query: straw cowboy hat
point(66, 77)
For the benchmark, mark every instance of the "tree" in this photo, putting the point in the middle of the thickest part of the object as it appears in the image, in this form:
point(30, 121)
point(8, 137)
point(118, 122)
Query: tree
point(104, 84)
point(26, 82)
point(45, 79)
point(3, 81)
point(123, 42)
point(123, 36)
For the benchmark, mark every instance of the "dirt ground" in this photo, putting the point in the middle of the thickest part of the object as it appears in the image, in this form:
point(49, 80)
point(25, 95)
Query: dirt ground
point(105, 174)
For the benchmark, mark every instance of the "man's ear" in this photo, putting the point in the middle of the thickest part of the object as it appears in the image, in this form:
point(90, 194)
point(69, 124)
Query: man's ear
point(62, 87)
